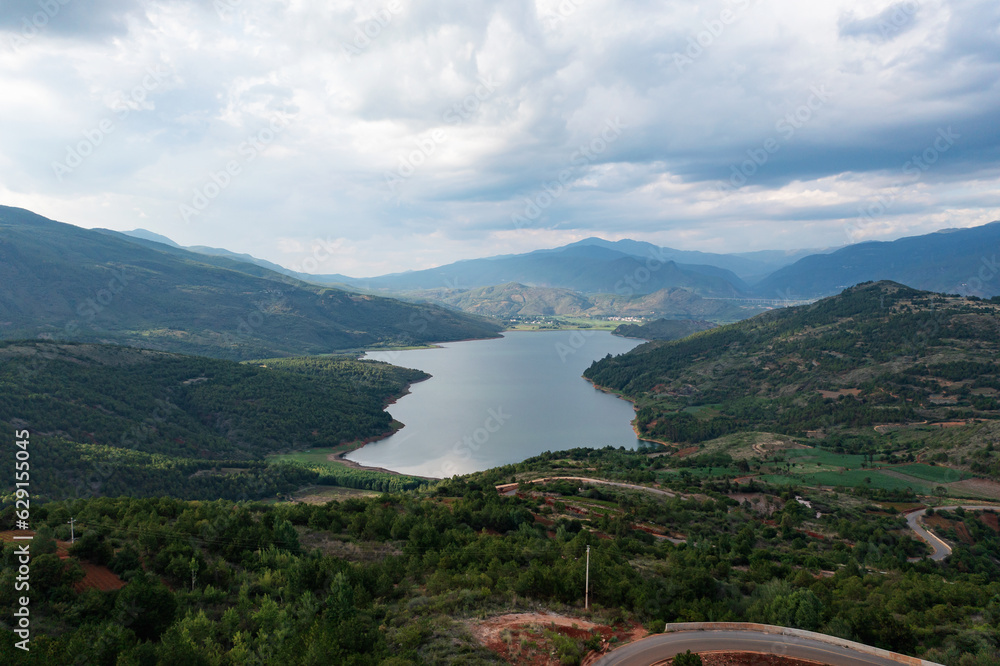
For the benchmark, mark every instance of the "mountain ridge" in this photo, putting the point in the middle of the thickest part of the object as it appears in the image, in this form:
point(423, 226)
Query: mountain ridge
point(61, 281)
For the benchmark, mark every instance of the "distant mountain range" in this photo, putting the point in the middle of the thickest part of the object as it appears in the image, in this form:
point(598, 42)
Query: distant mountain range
point(63, 282)
point(592, 277)
point(584, 268)
point(517, 300)
point(962, 261)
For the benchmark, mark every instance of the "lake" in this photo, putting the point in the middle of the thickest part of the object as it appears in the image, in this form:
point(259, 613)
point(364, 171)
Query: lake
point(495, 402)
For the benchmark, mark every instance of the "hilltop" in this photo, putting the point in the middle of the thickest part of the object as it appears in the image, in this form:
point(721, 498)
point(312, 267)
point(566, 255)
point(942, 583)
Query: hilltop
point(116, 420)
point(59, 281)
point(853, 369)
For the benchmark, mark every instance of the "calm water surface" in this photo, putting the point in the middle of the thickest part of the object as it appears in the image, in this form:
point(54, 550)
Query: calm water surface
point(494, 402)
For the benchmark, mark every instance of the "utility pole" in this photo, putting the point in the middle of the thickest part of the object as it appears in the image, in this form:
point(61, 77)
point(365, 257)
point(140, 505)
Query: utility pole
point(586, 588)
point(72, 536)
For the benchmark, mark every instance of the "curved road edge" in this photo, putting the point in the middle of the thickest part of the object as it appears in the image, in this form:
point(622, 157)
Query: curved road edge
point(939, 549)
point(741, 636)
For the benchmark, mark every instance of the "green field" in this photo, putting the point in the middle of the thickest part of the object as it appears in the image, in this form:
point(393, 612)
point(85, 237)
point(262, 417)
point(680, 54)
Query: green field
point(565, 323)
point(822, 458)
point(317, 456)
point(863, 477)
point(698, 472)
point(933, 473)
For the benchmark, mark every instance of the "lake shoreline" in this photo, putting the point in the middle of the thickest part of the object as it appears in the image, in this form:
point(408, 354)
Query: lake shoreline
point(635, 426)
point(446, 439)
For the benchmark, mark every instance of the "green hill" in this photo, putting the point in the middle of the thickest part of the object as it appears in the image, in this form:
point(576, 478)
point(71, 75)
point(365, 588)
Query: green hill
point(518, 300)
point(663, 329)
point(879, 353)
point(64, 282)
point(514, 300)
point(142, 422)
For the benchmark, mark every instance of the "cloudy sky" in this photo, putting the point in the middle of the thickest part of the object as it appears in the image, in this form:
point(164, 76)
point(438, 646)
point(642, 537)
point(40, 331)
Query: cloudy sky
point(388, 135)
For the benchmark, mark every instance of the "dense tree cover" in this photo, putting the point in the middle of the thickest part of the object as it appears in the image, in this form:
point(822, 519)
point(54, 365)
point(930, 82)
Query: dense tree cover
point(663, 329)
point(387, 580)
point(116, 420)
point(876, 350)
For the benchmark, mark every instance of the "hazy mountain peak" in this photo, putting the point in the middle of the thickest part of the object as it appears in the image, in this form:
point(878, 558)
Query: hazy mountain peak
point(145, 234)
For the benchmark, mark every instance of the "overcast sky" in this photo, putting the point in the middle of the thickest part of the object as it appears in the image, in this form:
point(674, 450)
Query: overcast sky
point(404, 134)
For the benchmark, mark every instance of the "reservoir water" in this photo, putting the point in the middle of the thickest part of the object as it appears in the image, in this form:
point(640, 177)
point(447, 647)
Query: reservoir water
point(494, 402)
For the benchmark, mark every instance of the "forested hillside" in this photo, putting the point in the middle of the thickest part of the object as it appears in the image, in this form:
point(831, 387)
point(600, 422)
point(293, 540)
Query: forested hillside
point(143, 423)
point(880, 353)
point(405, 579)
point(951, 261)
point(63, 282)
point(663, 329)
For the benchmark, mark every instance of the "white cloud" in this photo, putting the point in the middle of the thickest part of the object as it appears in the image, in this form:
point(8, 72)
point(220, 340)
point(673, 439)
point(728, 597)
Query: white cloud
point(557, 70)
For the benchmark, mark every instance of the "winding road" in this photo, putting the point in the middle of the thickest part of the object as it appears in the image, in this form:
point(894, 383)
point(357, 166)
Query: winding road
point(773, 640)
point(940, 549)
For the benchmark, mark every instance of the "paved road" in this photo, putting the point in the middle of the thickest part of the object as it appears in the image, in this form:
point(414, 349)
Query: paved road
point(940, 549)
point(657, 648)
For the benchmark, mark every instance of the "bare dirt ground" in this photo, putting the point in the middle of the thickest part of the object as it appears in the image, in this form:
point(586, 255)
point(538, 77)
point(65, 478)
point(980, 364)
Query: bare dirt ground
point(324, 494)
point(980, 487)
point(366, 551)
point(520, 638)
point(771, 445)
point(836, 394)
point(888, 471)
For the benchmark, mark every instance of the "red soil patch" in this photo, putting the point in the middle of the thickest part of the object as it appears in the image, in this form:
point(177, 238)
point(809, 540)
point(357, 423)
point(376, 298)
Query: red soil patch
point(963, 533)
point(95, 576)
point(686, 452)
point(936, 521)
point(837, 394)
point(521, 638)
point(990, 520)
point(99, 578)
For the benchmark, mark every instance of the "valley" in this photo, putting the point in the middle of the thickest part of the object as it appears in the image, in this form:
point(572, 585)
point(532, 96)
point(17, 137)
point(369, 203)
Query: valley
point(785, 466)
